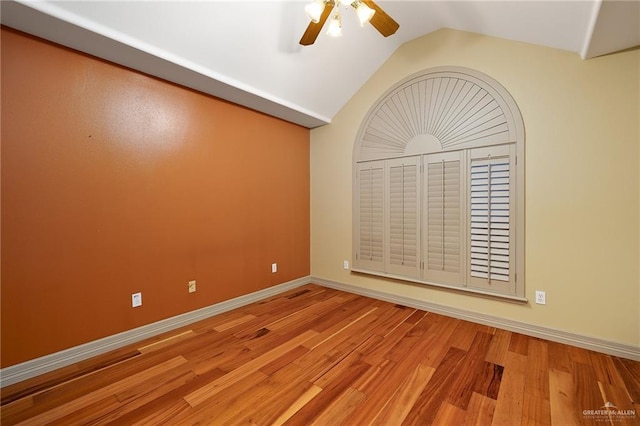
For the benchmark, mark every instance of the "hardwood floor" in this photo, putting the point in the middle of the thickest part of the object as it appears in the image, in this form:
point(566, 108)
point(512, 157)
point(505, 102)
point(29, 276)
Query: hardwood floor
point(320, 356)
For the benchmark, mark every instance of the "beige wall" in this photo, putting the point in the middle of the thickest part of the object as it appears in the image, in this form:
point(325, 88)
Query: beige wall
point(582, 181)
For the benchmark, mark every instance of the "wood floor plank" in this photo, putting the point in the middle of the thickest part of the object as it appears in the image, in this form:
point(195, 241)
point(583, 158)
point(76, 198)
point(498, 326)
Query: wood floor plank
point(210, 324)
point(343, 313)
point(300, 402)
point(368, 379)
point(267, 339)
point(167, 341)
point(338, 412)
point(413, 337)
point(559, 358)
point(536, 374)
point(434, 394)
point(273, 405)
point(17, 409)
point(519, 343)
point(293, 318)
point(464, 383)
point(211, 356)
point(488, 379)
point(234, 323)
point(165, 414)
point(605, 369)
point(480, 410)
point(318, 362)
point(588, 394)
point(622, 411)
point(397, 408)
point(465, 333)
point(536, 407)
point(449, 414)
point(284, 360)
point(536, 411)
point(210, 390)
point(256, 397)
point(630, 373)
point(330, 347)
point(579, 355)
point(377, 353)
point(167, 401)
point(304, 311)
point(319, 355)
point(381, 387)
point(98, 395)
point(329, 333)
point(499, 347)
point(151, 392)
point(415, 317)
point(393, 318)
point(509, 404)
point(209, 409)
point(88, 414)
point(336, 370)
point(314, 408)
point(563, 404)
point(439, 338)
point(65, 374)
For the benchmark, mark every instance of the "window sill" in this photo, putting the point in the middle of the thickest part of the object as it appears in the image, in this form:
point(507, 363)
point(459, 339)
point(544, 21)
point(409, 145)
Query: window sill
point(462, 289)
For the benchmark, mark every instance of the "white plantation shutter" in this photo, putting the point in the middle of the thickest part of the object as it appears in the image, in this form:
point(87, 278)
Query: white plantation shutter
point(403, 216)
point(370, 216)
point(439, 184)
point(443, 218)
point(491, 219)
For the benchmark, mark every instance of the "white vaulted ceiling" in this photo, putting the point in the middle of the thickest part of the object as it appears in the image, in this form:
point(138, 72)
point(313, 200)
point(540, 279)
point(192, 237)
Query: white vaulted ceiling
point(247, 52)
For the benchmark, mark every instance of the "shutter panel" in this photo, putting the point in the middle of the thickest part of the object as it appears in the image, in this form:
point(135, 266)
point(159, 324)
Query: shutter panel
point(370, 216)
point(403, 217)
point(443, 218)
point(491, 248)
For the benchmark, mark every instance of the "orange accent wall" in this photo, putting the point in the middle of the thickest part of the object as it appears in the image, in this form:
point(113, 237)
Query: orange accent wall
point(114, 182)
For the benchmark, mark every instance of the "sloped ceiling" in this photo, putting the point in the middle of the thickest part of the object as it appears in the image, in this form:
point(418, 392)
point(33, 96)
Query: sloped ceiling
point(247, 52)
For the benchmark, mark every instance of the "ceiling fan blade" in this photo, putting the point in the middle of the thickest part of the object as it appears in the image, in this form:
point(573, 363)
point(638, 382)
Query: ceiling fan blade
point(311, 34)
point(381, 20)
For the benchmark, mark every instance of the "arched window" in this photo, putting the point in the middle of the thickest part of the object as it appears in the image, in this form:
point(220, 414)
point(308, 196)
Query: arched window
point(439, 184)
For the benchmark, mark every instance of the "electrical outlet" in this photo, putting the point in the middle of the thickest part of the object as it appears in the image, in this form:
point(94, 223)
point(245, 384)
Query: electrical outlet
point(274, 268)
point(345, 265)
point(136, 300)
point(192, 286)
point(541, 297)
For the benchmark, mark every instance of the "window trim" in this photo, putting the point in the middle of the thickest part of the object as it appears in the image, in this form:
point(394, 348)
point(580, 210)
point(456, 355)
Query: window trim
point(384, 129)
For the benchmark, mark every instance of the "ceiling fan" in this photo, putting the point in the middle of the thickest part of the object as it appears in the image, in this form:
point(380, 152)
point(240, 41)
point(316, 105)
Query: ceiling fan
point(367, 11)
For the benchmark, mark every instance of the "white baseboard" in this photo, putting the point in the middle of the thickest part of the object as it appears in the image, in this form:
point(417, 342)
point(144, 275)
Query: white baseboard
point(35, 367)
point(585, 342)
point(26, 370)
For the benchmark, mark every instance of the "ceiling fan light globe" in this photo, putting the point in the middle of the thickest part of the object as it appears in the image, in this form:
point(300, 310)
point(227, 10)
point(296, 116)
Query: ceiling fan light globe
point(365, 13)
point(314, 10)
point(335, 26)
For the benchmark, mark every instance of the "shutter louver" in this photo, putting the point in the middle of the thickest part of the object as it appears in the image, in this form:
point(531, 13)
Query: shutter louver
point(490, 245)
point(443, 218)
point(403, 217)
point(371, 216)
point(443, 204)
